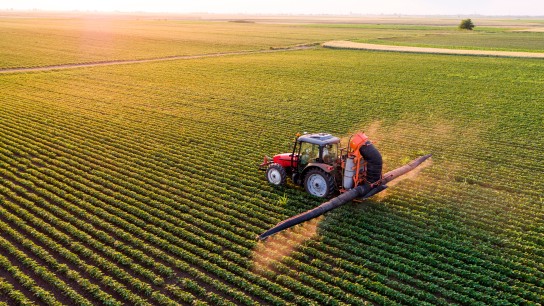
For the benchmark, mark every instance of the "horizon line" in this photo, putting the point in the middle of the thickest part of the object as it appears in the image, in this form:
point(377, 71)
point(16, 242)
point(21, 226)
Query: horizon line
point(37, 10)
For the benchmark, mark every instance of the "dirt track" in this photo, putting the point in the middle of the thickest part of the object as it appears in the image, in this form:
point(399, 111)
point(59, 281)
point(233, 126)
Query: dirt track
point(330, 44)
point(159, 59)
point(363, 46)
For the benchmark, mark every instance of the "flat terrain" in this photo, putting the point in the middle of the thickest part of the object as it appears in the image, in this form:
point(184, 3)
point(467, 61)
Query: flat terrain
point(78, 39)
point(139, 61)
point(362, 46)
point(137, 183)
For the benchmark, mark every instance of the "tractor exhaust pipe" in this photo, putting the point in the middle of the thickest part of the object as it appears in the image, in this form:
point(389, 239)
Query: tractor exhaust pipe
point(362, 191)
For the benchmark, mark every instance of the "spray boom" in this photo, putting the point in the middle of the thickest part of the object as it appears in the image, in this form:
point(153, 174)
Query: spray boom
point(362, 191)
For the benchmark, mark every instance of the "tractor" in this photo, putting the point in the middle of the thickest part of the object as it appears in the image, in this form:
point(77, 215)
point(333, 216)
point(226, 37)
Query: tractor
point(317, 163)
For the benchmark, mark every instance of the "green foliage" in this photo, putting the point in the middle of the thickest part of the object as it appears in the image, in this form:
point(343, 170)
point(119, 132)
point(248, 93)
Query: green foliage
point(127, 185)
point(466, 24)
point(282, 201)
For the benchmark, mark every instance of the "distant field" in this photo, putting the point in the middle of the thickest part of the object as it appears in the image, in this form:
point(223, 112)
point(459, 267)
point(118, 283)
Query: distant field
point(343, 44)
point(61, 41)
point(93, 38)
point(137, 184)
point(479, 40)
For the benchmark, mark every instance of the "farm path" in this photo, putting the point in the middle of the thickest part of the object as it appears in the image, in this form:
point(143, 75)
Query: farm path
point(364, 46)
point(158, 59)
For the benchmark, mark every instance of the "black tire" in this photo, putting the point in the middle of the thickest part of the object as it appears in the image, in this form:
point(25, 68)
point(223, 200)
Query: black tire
point(276, 175)
point(319, 183)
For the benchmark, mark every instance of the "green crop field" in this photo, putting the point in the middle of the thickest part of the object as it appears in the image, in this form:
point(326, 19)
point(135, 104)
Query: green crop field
point(137, 184)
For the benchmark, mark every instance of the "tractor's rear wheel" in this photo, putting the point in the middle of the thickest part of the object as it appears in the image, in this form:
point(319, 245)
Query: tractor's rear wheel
point(276, 175)
point(319, 183)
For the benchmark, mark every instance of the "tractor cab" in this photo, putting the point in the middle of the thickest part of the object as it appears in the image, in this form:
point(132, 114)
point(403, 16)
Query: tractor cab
point(316, 148)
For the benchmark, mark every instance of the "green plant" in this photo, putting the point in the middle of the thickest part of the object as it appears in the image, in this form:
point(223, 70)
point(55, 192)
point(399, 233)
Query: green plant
point(466, 24)
point(282, 201)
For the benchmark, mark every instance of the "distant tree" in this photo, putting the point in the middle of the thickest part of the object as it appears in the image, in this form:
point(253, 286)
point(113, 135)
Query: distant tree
point(466, 24)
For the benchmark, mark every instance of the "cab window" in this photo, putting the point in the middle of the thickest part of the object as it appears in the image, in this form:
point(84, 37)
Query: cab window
point(308, 153)
point(330, 152)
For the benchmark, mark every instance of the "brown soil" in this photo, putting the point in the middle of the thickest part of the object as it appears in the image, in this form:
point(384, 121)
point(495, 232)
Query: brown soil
point(282, 244)
point(363, 46)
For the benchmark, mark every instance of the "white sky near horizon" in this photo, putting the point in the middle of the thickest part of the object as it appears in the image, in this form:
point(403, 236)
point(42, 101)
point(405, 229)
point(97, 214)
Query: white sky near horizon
point(343, 7)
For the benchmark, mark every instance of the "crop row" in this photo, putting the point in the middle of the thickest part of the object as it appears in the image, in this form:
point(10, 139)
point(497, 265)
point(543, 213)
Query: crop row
point(43, 273)
point(27, 282)
point(177, 250)
point(164, 191)
point(7, 290)
point(127, 279)
point(156, 181)
point(84, 252)
point(512, 268)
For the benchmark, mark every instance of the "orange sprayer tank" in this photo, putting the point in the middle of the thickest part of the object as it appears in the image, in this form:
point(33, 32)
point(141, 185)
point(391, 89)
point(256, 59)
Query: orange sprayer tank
point(353, 162)
point(357, 141)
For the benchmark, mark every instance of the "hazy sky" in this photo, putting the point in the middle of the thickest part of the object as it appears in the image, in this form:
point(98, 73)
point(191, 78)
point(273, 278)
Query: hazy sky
point(406, 7)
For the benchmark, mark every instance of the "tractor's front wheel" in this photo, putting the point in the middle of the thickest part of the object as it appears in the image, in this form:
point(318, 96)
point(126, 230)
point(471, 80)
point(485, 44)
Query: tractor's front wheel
point(319, 183)
point(276, 175)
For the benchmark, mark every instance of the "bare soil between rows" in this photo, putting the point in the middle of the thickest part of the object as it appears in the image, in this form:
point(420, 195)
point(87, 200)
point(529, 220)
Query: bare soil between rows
point(364, 46)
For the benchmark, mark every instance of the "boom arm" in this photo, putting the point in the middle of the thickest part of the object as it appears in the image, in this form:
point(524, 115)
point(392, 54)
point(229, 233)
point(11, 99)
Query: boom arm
point(362, 191)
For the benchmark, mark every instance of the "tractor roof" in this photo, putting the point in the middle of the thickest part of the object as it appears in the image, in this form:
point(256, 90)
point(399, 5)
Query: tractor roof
point(319, 139)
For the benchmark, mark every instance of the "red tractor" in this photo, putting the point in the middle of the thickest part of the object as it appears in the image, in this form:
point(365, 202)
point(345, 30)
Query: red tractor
point(318, 164)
